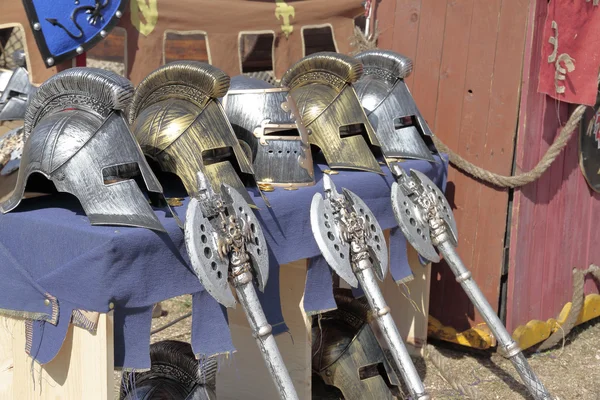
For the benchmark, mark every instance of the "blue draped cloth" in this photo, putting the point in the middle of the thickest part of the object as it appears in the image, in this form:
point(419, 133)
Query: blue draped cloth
point(52, 262)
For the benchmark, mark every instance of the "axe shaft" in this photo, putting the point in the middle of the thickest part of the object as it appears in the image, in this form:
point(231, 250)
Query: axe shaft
point(262, 332)
point(401, 359)
point(508, 346)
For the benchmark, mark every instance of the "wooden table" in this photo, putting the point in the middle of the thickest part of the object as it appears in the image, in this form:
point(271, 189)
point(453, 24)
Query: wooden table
point(84, 366)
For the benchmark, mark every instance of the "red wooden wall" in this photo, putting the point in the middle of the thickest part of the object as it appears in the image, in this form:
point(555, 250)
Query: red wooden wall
point(468, 57)
point(554, 219)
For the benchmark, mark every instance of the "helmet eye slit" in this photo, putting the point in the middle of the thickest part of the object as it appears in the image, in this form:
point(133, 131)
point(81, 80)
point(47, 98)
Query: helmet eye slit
point(120, 172)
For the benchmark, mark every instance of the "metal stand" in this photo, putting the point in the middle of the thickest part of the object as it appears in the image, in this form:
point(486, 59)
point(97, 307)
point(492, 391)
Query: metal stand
point(426, 220)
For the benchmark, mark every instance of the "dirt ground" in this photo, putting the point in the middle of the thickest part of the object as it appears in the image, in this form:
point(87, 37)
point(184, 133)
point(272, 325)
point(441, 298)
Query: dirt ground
point(570, 372)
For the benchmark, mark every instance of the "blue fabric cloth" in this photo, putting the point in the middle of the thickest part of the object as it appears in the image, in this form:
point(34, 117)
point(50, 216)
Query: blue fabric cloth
point(49, 249)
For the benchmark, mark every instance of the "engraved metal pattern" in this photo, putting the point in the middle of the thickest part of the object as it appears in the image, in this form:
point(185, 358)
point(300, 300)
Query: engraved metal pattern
point(226, 246)
point(400, 127)
point(71, 145)
point(351, 222)
point(260, 116)
point(13, 101)
point(179, 122)
point(325, 106)
point(425, 199)
point(93, 90)
point(343, 344)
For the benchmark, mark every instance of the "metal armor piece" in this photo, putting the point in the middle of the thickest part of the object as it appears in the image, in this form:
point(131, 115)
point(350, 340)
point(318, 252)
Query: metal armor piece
point(65, 28)
point(321, 85)
point(346, 354)
point(400, 128)
point(206, 243)
point(13, 101)
point(589, 146)
point(175, 374)
point(77, 136)
point(268, 123)
point(352, 241)
point(178, 122)
point(418, 204)
point(226, 246)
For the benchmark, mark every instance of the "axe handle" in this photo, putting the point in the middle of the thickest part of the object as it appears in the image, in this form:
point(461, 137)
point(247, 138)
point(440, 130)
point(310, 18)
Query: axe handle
point(265, 340)
point(387, 326)
point(508, 346)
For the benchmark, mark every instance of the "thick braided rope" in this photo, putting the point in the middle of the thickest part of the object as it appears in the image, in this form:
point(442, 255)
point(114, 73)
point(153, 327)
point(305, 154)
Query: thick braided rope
point(576, 306)
point(360, 42)
point(524, 178)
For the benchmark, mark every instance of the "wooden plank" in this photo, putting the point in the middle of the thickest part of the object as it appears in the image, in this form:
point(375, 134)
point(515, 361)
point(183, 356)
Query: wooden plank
point(385, 14)
point(532, 110)
point(247, 367)
point(428, 58)
point(478, 145)
point(406, 30)
point(447, 127)
point(83, 368)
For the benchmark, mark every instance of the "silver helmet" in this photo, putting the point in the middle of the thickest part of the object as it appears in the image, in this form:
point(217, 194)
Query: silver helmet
point(77, 136)
point(269, 126)
point(401, 130)
point(13, 98)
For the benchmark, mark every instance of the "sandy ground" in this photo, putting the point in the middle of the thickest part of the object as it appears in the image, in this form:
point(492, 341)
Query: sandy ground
point(570, 372)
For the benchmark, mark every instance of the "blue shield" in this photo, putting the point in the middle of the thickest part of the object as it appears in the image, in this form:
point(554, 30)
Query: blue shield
point(66, 28)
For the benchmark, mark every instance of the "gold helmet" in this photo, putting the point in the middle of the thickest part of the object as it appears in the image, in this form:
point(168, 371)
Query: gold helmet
point(179, 122)
point(321, 85)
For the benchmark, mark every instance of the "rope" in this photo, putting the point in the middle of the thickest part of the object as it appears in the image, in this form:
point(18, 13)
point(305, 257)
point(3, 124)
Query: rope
point(361, 43)
point(441, 363)
point(524, 178)
point(576, 306)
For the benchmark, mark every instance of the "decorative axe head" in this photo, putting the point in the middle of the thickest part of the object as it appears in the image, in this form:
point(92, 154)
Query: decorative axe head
point(207, 238)
point(328, 222)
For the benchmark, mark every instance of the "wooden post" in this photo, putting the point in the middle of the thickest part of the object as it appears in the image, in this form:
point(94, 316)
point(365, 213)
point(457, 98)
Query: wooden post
point(83, 369)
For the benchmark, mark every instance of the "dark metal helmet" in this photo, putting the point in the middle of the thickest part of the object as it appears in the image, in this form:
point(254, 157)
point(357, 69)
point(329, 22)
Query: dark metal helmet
point(13, 99)
point(77, 136)
point(589, 146)
point(321, 85)
point(267, 122)
point(347, 356)
point(179, 122)
point(175, 374)
point(401, 130)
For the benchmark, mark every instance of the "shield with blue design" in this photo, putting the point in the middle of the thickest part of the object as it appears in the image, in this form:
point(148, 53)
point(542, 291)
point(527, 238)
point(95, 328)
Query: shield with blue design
point(66, 28)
